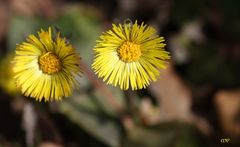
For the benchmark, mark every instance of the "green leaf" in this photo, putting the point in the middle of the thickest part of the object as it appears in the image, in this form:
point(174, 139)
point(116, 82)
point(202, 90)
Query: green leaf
point(20, 28)
point(81, 25)
point(171, 134)
point(90, 114)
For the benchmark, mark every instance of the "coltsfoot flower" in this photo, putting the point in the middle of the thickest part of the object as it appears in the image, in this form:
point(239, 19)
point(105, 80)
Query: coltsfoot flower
point(46, 67)
point(130, 55)
point(7, 83)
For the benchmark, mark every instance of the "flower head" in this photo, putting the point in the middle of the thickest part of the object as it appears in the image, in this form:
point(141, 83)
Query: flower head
point(130, 55)
point(46, 67)
point(7, 83)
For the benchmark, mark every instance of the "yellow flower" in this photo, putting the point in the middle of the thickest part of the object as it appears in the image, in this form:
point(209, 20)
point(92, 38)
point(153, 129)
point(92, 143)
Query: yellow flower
point(7, 83)
point(46, 67)
point(130, 55)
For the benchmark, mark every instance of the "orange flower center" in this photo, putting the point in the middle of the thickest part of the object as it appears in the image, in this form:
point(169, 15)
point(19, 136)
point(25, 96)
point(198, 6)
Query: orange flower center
point(49, 63)
point(129, 52)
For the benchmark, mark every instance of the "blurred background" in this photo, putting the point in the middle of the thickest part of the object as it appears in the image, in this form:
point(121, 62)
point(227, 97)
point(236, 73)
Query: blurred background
point(196, 103)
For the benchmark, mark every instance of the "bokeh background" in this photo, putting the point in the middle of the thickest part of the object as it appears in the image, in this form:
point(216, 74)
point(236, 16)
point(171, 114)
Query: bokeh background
point(196, 103)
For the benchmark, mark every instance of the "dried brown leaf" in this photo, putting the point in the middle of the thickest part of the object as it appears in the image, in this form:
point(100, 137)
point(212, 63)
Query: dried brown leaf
point(228, 105)
point(175, 100)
